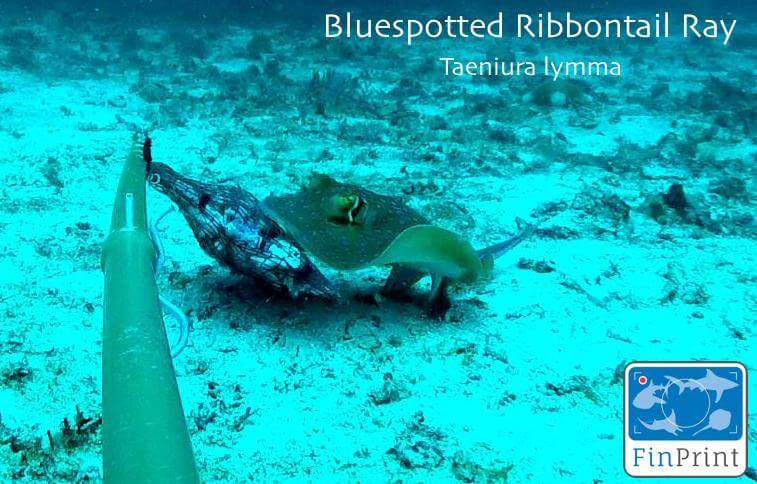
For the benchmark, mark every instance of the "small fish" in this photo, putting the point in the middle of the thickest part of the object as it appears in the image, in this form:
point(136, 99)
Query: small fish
point(232, 227)
point(647, 398)
point(669, 424)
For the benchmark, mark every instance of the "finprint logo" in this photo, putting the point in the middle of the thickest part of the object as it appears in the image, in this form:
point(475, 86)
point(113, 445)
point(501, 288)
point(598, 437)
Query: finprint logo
point(685, 419)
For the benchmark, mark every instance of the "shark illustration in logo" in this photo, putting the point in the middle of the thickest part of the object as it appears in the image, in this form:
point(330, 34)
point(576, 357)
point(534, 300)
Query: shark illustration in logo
point(667, 424)
point(710, 382)
point(647, 398)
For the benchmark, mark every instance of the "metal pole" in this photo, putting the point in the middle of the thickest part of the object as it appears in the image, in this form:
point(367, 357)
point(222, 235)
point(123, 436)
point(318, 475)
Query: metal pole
point(144, 432)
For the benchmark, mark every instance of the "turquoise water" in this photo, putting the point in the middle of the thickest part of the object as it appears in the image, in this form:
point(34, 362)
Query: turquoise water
point(641, 186)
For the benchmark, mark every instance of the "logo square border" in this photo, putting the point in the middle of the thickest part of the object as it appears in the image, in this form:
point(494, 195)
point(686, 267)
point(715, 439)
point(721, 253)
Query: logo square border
point(687, 362)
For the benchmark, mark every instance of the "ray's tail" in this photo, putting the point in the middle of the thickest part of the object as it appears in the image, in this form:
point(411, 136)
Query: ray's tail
point(497, 250)
point(489, 254)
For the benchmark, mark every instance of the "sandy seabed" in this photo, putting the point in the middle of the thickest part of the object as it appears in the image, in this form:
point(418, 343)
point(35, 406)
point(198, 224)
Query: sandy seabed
point(523, 379)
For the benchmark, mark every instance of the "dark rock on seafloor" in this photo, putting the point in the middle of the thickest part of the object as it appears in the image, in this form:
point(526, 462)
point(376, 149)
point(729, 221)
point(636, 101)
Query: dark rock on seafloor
point(675, 198)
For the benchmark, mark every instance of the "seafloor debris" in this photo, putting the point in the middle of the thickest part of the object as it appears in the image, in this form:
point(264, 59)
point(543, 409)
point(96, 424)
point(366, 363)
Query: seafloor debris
point(390, 391)
point(675, 206)
point(224, 414)
point(559, 232)
point(331, 92)
point(718, 93)
point(16, 374)
point(71, 436)
point(679, 286)
point(540, 266)
point(577, 384)
point(419, 445)
point(466, 469)
point(51, 173)
point(584, 117)
point(151, 91)
point(602, 206)
point(51, 456)
point(730, 187)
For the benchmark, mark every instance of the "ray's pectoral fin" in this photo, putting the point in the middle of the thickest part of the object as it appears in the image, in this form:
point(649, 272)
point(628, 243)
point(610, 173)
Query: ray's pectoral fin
point(438, 301)
point(400, 279)
point(426, 249)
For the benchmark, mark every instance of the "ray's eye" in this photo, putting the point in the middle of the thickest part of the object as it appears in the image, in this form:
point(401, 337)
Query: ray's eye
point(204, 201)
point(154, 179)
